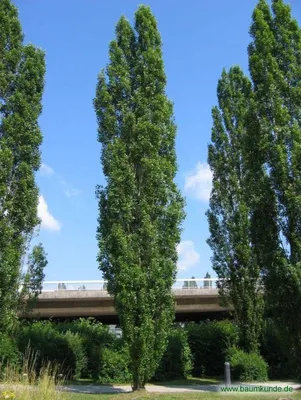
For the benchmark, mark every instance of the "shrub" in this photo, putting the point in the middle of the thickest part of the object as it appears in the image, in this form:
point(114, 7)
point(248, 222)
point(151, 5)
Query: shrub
point(79, 347)
point(247, 367)
point(114, 366)
point(274, 351)
point(9, 352)
point(94, 336)
point(48, 344)
point(209, 342)
point(90, 329)
point(176, 362)
point(75, 343)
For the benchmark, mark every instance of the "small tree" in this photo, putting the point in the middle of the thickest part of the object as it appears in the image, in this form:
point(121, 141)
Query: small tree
point(32, 282)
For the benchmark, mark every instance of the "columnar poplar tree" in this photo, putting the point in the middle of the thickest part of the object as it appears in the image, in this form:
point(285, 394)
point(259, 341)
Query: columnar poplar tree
point(140, 209)
point(275, 66)
point(230, 213)
point(22, 70)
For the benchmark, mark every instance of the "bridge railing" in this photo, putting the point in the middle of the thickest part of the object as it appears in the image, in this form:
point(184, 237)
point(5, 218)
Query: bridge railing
point(198, 283)
point(52, 286)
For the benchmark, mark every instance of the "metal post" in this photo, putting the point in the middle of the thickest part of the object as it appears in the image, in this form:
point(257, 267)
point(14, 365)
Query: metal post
point(227, 374)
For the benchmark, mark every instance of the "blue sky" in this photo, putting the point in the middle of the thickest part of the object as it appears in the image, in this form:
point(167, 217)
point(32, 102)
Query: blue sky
point(200, 37)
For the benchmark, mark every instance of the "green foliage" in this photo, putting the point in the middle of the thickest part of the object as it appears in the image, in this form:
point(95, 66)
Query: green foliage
point(209, 342)
point(49, 345)
point(22, 70)
point(75, 343)
point(274, 63)
point(274, 350)
point(230, 215)
point(255, 205)
point(83, 348)
point(9, 353)
point(94, 337)
point(33, 278)
point(140, 209)
point(247, 367)
point(114, 366)
point(177, 360)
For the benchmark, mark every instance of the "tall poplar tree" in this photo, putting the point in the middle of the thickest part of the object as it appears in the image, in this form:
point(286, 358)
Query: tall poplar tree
point(140, 208)
point(22, 70)
point(230, 213)
point(275, 66)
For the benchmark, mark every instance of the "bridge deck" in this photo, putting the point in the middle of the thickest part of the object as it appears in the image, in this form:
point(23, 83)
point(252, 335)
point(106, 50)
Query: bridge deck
point(98, 303)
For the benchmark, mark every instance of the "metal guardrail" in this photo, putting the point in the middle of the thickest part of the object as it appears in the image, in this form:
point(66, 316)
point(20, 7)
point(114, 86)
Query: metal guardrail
point(52, 286)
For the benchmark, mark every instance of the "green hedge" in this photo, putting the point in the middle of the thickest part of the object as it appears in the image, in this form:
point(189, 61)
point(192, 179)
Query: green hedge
point(75, 343)
point(84, 349)
point(94, 337)
point(114, 366)
point(209, 342)
point(247, 367)
point(274, 350)
point(87, 349)
point(177, 360)
point(9, 353)
point(49, 345)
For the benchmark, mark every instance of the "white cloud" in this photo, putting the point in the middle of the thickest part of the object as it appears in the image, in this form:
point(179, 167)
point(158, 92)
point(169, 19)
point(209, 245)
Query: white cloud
point(46, 170)
point(188, 256)
point(47, 219)
point(198, 182)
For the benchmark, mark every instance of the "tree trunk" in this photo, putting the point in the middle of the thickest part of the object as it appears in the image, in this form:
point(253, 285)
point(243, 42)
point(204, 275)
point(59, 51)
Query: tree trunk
point(138, 384)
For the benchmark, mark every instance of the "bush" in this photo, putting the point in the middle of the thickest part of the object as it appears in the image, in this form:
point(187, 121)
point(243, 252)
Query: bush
point(94, 337)
point(176, 362)
point(274, 351)
point(79, 347)
point(49, 344)
point(75, 343)
point(209, 342)
point(247, 367)
point(9, 353)
point(114, 366)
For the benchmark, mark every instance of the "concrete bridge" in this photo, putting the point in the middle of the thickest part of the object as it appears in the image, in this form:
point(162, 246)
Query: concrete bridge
point(195, 299)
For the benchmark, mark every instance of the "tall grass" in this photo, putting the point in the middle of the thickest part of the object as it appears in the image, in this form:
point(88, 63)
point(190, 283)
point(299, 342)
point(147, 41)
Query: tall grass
point(26, 383)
